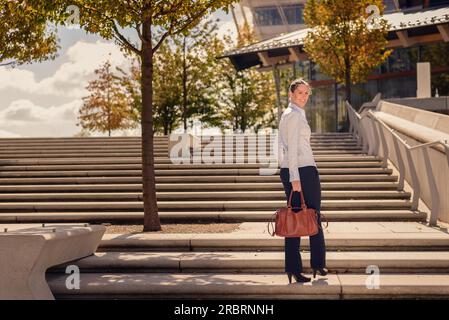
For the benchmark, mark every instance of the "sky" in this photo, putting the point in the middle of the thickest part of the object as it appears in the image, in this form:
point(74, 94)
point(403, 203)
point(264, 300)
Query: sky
point(42, 99)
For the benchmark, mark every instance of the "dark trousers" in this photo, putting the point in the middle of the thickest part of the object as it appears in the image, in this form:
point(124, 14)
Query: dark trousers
point(311, 186)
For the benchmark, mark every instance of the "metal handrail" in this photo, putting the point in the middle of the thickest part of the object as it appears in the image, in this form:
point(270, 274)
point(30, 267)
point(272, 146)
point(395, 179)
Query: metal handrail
point(378, 126)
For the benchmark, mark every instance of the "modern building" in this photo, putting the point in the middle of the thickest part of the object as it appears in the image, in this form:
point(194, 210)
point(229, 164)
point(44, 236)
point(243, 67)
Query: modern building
point(419, 33)
point(274, 17)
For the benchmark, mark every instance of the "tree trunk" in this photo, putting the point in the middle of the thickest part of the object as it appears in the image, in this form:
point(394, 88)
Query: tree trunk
point(151, 217)
point(347, 88)
point(348, 79)
point(184, 84)
point(108, 99)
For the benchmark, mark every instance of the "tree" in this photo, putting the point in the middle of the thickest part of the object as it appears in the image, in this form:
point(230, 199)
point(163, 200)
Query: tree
point(247, 96)
point(107, 107)
point(24, 35)
point(130, 83)
point(184, 69)
point(438, 55)
point(196, 72)
point(110, 19)
point(343, 42)
point(166, 87)
point(168, 90)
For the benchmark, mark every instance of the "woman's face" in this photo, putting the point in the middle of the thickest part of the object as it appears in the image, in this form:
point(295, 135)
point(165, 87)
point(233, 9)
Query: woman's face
point(300, 96)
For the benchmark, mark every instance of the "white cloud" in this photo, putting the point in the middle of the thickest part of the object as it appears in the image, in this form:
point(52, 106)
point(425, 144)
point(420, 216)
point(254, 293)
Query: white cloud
point(25, 110)
point(24, 118)
point(72, 77)
point(36, 113)
point(36, 105)
point(7, 134)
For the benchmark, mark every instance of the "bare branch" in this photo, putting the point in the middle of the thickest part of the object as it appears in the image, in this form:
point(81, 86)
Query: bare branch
point(139, 32)
point(7, 64)
point(161, 40)
point(164, 36)
point(125, 41)
point(192, 19)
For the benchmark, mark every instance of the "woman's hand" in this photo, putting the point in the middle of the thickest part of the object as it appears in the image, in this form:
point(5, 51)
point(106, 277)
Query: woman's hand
point(296, 186)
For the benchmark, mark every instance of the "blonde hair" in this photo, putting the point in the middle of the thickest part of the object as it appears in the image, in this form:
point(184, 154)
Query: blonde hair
point(298, 82)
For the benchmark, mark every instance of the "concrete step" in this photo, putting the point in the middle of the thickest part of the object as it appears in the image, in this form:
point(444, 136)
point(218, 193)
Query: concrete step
point(325, 136)
point(164, 145)
point(249, 286)
point(314, 136)
point(188, 187)
point(318, 158)
point(253, 236)
point(192, 196)
point(164, 160)
point(39, 167)
point(204, 216)
point(180, 172)
point(218, 205)
point(138, 153)
point(160, 147)
point(255, 262)
point(192, 179)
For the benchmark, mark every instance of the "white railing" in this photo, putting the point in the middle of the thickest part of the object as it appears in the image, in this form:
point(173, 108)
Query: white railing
point(370, 133)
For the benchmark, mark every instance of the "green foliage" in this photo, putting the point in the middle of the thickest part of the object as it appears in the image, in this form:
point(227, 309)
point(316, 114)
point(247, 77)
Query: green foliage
point(109, 18)
point(195, 69)
point(24, 35)
point(107, 107)
point(438, 56)
point(247, 98)
point(344, 45)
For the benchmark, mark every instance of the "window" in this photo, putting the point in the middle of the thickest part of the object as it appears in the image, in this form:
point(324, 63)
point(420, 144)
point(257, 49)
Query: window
point(404, 4)
point(293, 14)
point(389, 5)
point(435, 3)
point(267, 16)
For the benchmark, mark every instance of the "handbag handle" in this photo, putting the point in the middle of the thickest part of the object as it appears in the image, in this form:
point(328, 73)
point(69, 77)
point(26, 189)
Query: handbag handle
point(325, 219)
point(303, 202)
point(271, 224)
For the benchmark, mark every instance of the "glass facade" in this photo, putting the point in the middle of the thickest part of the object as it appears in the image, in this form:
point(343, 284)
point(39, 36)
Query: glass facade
point(392, 83)
point(401, 59)
point(267, 16)
point(293, 14)
point(389, 5)
point(404, 4)
point(273, 15)
point(435, 3)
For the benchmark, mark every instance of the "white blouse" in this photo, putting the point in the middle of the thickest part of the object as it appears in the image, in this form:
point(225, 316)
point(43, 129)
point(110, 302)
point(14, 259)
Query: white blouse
point(294, 141)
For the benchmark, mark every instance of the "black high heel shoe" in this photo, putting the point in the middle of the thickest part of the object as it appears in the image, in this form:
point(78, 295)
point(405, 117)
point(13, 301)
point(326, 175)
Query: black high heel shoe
point(323, 272)
point(298, 277)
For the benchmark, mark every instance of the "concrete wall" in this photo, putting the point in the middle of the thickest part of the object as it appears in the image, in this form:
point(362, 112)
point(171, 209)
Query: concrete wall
point(410, 131)
point(440, 104)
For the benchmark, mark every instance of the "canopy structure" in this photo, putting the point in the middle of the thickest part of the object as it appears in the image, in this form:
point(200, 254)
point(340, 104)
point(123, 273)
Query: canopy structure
point(406, 29)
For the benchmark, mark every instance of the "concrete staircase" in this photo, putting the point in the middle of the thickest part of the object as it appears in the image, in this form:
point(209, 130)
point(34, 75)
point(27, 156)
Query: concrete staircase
point(99, 180)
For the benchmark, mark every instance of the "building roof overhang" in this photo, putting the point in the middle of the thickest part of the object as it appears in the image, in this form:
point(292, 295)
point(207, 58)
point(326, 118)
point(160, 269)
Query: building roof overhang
point(405, 29)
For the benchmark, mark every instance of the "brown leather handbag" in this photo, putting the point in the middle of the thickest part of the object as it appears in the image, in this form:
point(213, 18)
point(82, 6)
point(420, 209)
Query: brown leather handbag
point(289, 224)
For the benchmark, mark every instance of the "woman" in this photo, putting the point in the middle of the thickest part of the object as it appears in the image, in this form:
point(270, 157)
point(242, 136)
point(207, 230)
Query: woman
point(299, 173)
